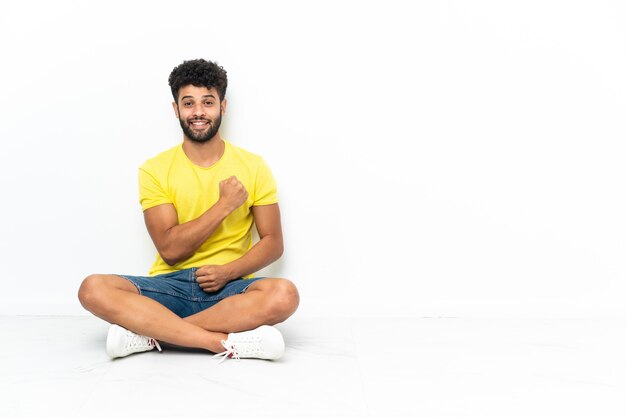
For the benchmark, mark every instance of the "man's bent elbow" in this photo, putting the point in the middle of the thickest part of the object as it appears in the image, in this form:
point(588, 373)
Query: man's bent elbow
point(170, 258)
point(279, 249)
point(169, 262)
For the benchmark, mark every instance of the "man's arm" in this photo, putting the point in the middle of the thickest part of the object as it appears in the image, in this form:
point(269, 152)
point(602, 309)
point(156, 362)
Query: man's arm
point(270, 245)
point(177, 242)
point(269, 249)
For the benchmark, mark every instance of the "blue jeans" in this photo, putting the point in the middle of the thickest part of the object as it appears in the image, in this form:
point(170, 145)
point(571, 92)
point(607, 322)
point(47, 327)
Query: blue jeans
point(180, 293)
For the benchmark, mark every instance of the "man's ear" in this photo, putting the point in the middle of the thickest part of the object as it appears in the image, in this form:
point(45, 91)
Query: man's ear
point(175, 106)
point(223, 107)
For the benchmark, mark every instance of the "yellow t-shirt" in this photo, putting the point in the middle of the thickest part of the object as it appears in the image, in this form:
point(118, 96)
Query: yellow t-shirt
point(171, 177)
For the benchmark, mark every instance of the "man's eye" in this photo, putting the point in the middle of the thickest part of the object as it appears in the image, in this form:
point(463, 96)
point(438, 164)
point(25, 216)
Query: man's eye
point(208, 103)
point(187, 104)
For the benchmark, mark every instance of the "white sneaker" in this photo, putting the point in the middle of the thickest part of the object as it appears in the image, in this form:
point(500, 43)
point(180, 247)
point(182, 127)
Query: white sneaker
point(122, 342)
point(264, 342)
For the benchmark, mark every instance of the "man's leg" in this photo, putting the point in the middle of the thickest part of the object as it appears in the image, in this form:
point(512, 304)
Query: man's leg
point(116, 300)
point(265, 302)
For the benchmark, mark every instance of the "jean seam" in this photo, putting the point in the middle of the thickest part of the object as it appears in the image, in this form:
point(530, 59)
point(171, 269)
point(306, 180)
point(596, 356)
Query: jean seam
point(133, 283)
point(175, 294)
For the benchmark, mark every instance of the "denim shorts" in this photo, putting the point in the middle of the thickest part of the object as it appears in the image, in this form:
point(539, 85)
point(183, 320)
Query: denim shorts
point(180, 293)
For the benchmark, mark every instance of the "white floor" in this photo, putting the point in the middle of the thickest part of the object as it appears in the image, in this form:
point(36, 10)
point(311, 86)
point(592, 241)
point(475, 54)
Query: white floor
point(412, 367)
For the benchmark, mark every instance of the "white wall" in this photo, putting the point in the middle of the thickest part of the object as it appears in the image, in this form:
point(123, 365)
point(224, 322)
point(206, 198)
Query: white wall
point(444, 158)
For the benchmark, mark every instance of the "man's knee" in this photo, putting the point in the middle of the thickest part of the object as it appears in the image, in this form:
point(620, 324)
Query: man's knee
point(93, 290)
point(284, 300)
point(88, 292)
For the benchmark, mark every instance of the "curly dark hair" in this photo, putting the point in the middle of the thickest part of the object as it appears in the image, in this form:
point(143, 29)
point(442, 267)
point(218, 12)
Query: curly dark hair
point(199, 73)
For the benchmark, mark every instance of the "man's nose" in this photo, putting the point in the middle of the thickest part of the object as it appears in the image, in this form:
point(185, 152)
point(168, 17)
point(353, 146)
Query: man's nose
point(198, 110)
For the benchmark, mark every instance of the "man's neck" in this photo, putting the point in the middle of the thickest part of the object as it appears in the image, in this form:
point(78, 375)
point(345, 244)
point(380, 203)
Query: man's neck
point(205, 154)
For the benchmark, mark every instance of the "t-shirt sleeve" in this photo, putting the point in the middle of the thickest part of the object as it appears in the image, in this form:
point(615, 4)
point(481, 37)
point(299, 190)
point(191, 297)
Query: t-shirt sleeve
point(151, 191)
point(265, 192)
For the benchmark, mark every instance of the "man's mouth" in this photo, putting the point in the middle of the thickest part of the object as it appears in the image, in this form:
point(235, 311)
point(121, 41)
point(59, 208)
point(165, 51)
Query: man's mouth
point(199, 123)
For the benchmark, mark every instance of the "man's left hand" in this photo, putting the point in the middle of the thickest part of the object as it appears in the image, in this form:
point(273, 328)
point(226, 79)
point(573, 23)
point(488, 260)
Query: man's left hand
point(212, 278)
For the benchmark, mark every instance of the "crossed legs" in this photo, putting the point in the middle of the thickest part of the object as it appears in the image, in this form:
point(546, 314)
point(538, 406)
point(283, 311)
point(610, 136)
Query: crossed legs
point(116, 300)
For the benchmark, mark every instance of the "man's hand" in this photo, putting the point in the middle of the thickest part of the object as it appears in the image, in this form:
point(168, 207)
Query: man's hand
point(212, 278)
point(232, 193)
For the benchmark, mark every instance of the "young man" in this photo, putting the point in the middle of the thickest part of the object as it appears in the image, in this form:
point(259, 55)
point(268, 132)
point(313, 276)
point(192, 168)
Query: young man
point(200, 200)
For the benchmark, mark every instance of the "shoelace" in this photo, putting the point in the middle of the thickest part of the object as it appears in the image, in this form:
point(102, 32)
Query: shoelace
point(247, 346)
point(140, 341)
point(231, 351)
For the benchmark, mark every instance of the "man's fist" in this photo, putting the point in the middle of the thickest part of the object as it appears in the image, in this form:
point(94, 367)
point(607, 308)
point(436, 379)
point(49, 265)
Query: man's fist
point(212, 278)
point(232, 193)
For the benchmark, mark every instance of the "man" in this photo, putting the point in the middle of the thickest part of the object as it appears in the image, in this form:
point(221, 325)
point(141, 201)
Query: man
point(200, 200)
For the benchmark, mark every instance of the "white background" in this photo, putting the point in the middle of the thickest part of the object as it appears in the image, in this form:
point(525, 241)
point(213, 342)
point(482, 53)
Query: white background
point(442, 158)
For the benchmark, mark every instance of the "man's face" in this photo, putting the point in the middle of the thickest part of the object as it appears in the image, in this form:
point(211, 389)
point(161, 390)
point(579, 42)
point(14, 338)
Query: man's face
point(200, 112)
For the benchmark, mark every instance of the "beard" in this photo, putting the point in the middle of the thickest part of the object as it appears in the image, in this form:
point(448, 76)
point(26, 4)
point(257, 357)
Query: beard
point(201, 136)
